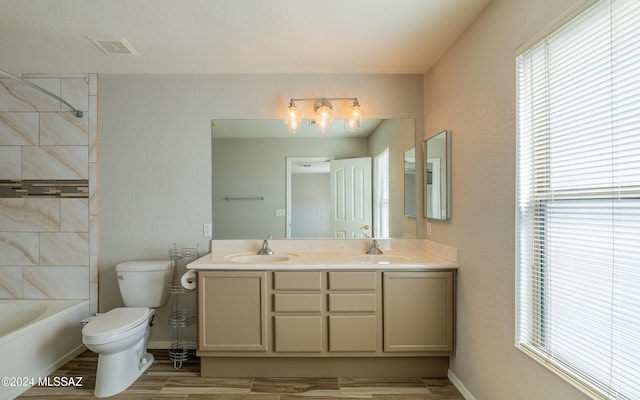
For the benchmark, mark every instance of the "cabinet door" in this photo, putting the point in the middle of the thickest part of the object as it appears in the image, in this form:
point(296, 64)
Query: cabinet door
point(232, 313)
point(418, 311)
point(298, 333)
point(353, 333)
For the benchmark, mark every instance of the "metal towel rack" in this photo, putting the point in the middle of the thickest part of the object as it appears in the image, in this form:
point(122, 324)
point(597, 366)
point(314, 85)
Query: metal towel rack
point(228, 198)
point(183, 346)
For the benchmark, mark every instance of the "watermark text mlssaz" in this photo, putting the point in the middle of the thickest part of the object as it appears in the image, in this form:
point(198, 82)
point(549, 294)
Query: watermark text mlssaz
point(48, 381)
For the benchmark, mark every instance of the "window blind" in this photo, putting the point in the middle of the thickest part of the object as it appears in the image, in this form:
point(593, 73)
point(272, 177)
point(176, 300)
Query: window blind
point(578, 200)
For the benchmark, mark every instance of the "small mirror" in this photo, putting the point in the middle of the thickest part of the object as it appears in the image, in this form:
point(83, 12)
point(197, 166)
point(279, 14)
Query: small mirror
point(437, 196)
point(410, 182)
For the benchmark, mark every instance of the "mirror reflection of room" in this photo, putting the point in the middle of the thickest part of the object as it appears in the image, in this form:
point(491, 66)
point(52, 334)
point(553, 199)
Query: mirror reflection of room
point(269, 181)
point(410, 183)
point(437, 176)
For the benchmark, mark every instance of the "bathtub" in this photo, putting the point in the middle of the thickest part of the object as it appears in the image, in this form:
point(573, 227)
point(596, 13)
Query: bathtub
point(36, 338)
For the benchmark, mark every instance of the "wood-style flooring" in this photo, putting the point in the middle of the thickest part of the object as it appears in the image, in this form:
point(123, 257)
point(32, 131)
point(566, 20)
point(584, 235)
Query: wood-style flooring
point(163, 381)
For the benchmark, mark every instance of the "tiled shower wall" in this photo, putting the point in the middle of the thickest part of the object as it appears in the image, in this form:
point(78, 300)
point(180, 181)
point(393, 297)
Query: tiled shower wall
point(48, 189)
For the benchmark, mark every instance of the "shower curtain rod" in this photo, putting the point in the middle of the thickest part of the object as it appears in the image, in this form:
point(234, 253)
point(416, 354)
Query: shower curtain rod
point(45, 91)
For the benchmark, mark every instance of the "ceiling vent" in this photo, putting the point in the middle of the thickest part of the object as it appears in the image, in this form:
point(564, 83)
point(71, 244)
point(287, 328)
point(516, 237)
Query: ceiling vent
point(114, 45)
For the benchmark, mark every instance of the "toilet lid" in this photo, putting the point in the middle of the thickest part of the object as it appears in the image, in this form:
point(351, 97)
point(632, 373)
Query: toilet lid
point(116, 320)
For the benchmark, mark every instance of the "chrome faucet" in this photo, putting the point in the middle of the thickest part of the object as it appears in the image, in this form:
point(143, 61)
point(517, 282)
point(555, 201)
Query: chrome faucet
point(375, 248)
point(265, 249)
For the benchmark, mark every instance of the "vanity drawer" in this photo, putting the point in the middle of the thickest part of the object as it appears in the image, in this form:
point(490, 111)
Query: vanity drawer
point(297, 280)
point(352, 280)
point(363, 302)
point(311, 302)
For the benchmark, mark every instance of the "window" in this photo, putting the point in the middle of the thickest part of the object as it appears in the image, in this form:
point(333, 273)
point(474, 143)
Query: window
point(578, 200)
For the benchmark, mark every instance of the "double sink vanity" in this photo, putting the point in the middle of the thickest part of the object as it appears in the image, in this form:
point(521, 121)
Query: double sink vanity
point(326, 308)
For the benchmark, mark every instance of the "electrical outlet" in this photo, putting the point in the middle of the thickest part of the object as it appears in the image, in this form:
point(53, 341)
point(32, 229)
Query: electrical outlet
point(428, 228)
point(207, 230)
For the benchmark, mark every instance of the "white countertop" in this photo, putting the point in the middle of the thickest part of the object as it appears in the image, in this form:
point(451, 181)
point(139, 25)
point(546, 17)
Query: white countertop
point(328, 254)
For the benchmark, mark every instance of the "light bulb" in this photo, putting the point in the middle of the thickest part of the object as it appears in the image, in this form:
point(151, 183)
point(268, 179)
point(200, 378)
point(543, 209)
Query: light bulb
point(293, 118)
point(355, 116)
point(324, 117)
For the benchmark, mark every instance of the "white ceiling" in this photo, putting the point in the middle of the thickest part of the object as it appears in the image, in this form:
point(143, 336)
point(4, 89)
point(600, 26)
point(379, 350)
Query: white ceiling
point(232, 36)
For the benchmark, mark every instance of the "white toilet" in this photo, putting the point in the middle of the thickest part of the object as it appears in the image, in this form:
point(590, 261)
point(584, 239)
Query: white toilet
point(120, 335)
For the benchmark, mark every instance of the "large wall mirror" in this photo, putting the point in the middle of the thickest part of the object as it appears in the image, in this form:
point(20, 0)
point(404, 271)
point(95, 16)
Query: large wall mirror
point(267, 181)
point(437, 196)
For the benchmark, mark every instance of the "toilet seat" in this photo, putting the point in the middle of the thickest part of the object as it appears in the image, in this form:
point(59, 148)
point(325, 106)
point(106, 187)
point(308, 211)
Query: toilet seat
point(115, 324)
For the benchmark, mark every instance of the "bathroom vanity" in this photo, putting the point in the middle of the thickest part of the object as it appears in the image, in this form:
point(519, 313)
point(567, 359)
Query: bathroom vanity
point(325, 308)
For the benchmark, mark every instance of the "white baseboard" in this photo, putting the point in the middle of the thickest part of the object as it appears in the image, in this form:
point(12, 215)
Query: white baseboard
point(458, 384)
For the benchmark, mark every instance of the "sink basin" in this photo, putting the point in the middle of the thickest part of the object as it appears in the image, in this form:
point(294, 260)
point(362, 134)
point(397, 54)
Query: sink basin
point(252, 258)
point(378, 258)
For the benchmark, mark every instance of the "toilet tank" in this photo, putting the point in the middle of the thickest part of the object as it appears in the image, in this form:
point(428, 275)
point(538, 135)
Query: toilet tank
point(144, 283)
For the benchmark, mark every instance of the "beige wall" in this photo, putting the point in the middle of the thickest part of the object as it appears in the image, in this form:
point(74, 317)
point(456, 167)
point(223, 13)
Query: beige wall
point(471, 91)
point(155, 151)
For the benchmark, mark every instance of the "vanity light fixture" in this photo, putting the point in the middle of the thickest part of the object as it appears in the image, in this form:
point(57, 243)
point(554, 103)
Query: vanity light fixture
point(324, 114)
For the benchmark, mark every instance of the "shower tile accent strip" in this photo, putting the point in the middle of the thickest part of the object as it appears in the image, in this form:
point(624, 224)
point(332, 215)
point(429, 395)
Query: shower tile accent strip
point(62, 188)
